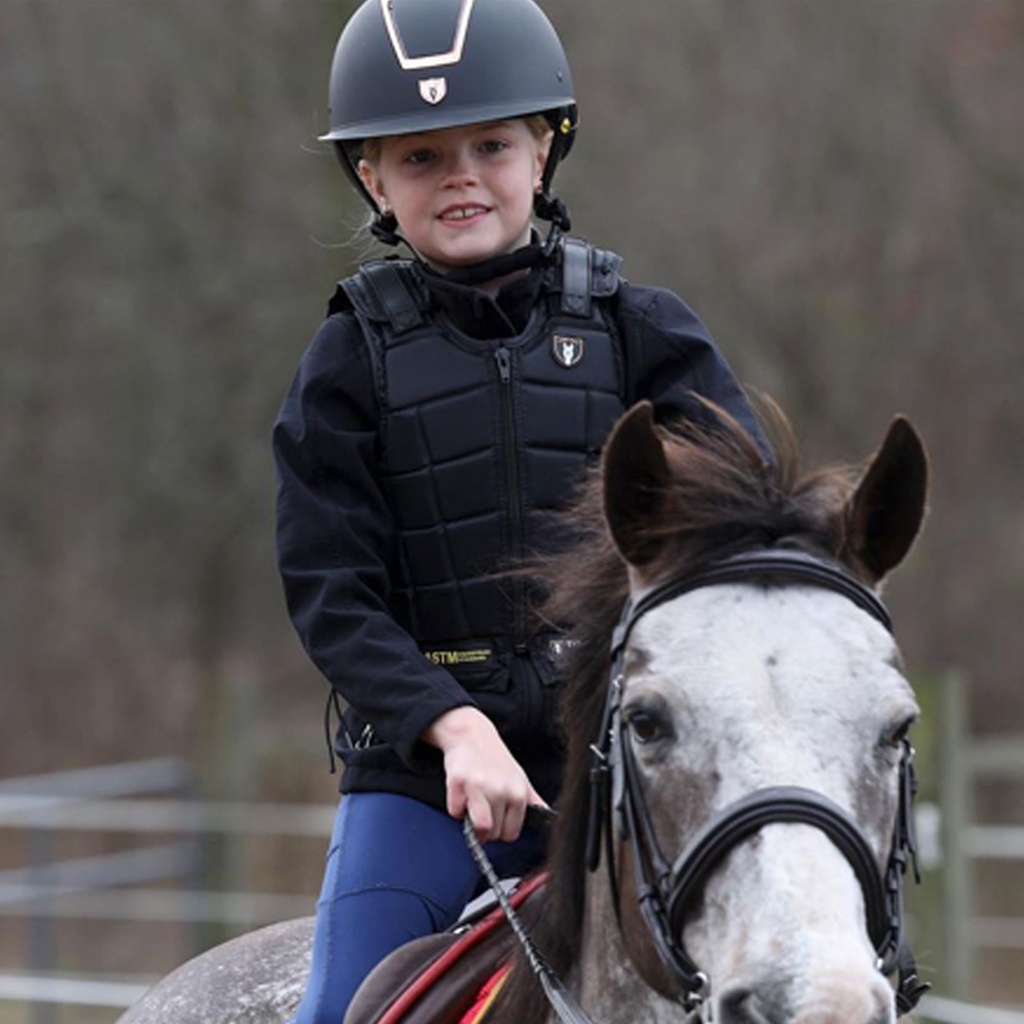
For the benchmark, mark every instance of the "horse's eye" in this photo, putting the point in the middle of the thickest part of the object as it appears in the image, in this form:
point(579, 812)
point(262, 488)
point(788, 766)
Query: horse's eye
point(898, 736)
point(645, 726)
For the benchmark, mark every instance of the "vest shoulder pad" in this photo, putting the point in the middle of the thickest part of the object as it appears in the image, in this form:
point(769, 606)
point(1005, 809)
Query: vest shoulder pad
point(587, 273)
point(385, 291)
point(339, 302)
point(605, 278)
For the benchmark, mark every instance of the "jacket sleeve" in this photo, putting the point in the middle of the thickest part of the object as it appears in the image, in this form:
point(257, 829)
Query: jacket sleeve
point(335, 544)
point(670, 355)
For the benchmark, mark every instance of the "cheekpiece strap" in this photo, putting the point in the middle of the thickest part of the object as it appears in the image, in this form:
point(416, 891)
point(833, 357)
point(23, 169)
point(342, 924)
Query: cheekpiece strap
point(617, 803)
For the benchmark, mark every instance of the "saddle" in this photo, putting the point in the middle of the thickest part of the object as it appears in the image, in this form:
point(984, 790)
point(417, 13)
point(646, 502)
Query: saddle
point(437, 979)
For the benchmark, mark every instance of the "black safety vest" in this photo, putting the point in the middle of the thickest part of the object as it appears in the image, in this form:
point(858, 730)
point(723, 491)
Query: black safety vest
point(483, 441)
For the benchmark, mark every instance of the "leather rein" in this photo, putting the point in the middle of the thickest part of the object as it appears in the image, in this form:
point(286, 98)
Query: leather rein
point(665, 891)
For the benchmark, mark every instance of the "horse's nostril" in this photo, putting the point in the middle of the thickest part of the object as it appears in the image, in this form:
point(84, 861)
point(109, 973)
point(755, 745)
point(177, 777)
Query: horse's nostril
point(741, 1006)
point(885, 1012)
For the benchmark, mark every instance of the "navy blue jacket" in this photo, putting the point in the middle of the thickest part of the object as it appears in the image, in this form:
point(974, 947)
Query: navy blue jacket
point(338, 535)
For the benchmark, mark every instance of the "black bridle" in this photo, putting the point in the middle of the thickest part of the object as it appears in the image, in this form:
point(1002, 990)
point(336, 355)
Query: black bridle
point(665, 891)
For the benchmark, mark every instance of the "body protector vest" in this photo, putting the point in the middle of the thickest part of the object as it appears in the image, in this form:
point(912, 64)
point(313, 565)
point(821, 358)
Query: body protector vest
point(483, 442)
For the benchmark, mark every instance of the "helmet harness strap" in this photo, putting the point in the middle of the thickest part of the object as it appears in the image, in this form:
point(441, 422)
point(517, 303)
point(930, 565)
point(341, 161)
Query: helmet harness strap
point(546, 205)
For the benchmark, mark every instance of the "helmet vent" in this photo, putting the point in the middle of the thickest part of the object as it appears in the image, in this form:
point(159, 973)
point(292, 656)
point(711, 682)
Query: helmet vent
point(436, 60)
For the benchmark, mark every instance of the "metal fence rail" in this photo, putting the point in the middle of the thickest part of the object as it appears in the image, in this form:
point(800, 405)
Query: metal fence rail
point(159, 775)
point(241, 910)
point(131, 815)
point(35, 989)
point(948, 1011)
point(968, 761)
point(146, 797)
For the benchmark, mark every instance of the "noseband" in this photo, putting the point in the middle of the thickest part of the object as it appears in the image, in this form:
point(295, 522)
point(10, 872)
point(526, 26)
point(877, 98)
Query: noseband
point(664, 891)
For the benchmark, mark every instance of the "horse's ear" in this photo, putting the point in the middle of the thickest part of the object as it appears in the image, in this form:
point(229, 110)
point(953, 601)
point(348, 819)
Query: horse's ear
point(886, 510)
point(634, 472)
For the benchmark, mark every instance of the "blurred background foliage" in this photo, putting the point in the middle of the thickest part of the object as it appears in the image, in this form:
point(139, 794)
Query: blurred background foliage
point(837, 187)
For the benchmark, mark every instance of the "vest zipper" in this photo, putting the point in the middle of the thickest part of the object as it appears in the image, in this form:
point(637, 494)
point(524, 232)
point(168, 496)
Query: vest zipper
point(510, 452)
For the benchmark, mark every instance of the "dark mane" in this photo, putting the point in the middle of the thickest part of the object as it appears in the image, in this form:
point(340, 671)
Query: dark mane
point(723, 498)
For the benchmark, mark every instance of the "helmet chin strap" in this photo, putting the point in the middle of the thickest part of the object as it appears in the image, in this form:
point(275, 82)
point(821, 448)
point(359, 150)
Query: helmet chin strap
point(546, 205)
point(552, 209)
point(498, 266)
point(384, 228)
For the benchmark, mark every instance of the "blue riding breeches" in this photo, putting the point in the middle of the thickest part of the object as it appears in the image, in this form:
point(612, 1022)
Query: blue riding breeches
point(397, 869)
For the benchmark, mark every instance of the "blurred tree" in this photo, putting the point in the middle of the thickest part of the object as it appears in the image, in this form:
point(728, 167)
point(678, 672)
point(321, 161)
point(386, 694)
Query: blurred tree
point(161, 277)
point(839, 189)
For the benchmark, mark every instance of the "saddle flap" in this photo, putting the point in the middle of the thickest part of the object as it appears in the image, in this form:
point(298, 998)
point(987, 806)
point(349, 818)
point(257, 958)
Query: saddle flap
point(437, 979)
point(393, 976)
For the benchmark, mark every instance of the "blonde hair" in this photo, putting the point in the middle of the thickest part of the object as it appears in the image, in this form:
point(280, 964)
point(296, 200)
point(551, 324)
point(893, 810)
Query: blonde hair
point(539, 126)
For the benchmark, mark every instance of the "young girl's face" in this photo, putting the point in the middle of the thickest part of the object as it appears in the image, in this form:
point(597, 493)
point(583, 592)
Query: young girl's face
point(460, 195)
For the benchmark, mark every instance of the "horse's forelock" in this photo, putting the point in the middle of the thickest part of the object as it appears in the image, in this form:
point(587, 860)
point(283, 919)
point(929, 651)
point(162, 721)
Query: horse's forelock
point(723, 496)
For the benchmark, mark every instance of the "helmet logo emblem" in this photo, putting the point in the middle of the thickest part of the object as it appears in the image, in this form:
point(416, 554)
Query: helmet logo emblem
point(433, 90)
point(567, 350)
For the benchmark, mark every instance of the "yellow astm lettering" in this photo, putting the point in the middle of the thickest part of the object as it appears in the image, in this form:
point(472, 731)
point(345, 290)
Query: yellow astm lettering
point(447, 658)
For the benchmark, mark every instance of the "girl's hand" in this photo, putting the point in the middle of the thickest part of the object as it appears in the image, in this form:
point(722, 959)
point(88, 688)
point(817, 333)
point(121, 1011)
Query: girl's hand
point(482, 778)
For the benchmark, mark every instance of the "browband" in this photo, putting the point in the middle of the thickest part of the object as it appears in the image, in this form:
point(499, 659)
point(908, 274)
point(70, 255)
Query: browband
point(782, 565)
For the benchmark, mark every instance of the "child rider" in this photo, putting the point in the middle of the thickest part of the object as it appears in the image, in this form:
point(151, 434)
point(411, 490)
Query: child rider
point(443, 412)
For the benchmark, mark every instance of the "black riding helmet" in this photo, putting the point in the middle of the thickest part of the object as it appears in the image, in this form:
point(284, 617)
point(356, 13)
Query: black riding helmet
point(404, 66)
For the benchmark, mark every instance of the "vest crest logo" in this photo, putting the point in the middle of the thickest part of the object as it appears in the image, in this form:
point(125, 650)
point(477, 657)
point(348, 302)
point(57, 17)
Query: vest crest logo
point(433, 90)
point(567, 350)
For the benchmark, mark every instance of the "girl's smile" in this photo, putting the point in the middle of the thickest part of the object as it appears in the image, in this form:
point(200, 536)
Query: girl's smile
point(463, 213)
point(460, 195)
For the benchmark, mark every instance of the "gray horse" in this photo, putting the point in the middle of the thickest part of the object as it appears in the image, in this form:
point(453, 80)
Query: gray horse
point(729, 688)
